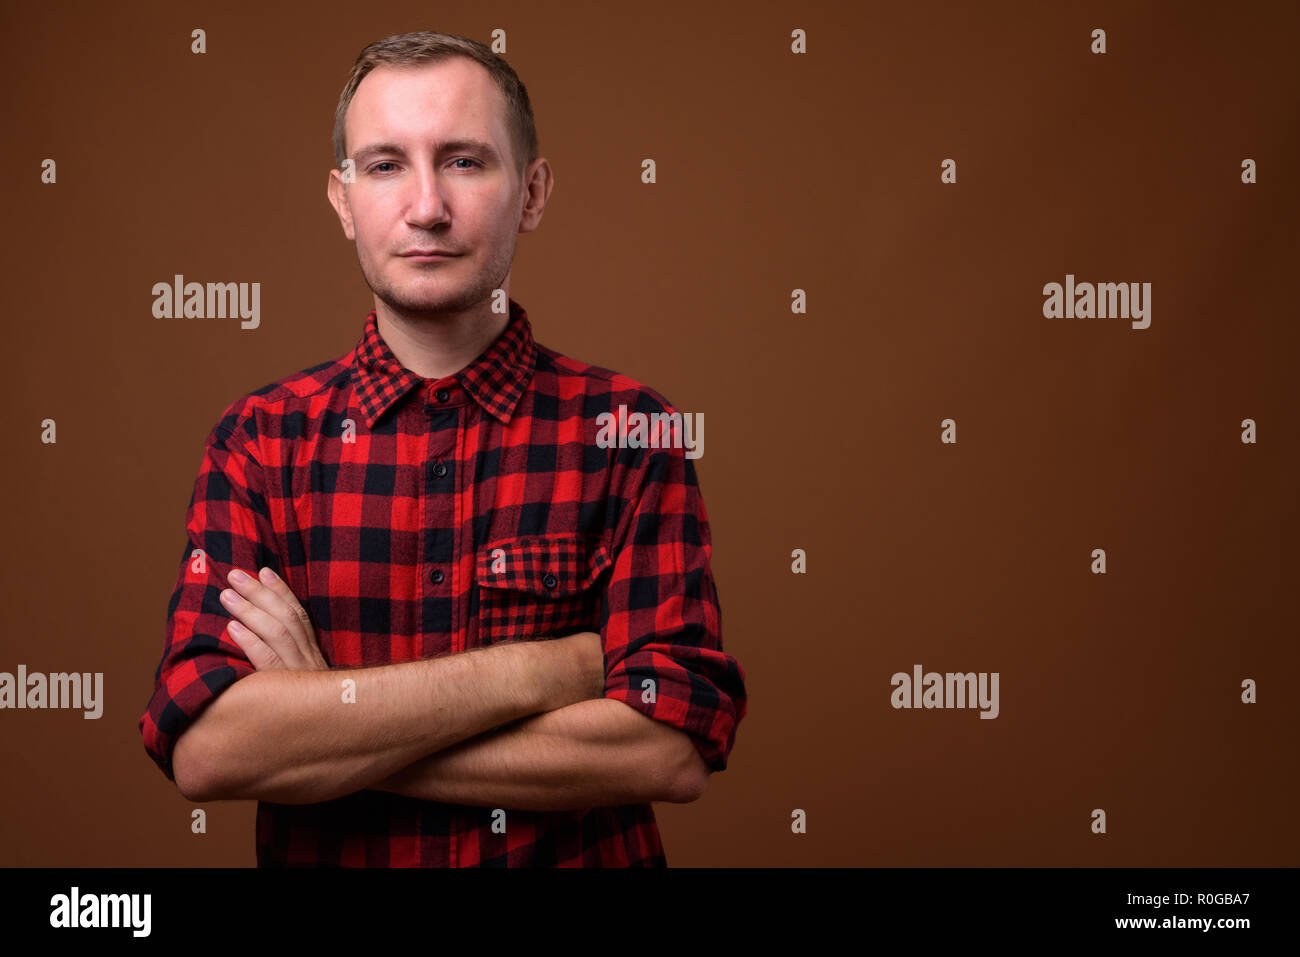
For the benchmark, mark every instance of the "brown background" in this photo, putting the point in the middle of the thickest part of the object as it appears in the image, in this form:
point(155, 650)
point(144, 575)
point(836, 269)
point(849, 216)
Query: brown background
point(775, 172)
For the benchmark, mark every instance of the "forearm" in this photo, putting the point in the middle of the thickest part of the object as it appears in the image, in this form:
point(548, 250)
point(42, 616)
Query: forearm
point(593, 753)
point(294, 737)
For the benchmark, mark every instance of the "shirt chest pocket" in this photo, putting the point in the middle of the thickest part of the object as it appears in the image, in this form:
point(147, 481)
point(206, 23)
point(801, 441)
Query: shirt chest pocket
point(540, 586)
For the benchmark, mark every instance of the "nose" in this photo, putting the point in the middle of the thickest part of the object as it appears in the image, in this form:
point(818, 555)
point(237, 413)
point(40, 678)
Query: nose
point(426, 206)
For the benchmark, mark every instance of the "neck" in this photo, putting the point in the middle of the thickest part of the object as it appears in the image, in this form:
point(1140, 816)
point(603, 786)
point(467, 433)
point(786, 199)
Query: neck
point(435, 346)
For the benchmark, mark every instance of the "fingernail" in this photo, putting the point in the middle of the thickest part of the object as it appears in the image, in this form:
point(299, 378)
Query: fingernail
point(267, 576)
point(237, 576)
point(236, 627)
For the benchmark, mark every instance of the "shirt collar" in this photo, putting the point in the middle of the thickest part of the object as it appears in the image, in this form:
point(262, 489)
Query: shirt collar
point(495, 379)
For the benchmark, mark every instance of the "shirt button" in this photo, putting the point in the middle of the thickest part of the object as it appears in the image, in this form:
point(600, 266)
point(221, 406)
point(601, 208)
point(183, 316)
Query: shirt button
point(436, 576)
point(549, 581)
point(443, 395)
point(439, 470)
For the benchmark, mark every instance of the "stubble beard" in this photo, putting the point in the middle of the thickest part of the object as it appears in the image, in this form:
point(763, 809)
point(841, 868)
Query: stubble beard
point(457, 297)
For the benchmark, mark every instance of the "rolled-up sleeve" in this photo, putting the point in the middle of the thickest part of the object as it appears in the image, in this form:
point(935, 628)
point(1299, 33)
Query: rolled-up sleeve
point(228, 526)
point(661, 621)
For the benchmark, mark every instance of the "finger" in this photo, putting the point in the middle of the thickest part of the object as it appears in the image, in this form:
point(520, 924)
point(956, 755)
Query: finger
point(310, 646)
point(267, 627)
point(254, 648)
point(281, 589)
point(269, 601)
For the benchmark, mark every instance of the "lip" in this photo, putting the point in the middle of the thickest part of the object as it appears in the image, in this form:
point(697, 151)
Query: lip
point(428, 255)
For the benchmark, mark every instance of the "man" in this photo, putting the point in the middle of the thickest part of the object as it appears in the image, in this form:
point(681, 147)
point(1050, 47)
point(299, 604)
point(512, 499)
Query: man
point(508, 641)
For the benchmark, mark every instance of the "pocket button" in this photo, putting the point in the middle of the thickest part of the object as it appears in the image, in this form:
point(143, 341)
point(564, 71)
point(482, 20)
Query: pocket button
point(539, 586)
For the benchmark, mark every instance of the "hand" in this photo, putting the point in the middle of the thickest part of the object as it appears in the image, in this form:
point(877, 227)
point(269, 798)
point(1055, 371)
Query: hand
point(273, 629)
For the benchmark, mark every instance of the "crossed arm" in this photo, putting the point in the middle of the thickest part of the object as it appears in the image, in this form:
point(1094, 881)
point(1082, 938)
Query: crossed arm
point(522, 725)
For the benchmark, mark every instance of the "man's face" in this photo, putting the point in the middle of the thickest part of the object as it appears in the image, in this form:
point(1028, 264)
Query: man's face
point(434, 171)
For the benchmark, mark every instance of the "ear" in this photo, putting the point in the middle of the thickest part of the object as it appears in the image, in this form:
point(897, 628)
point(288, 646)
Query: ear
point(337, 193)
point(539, 182)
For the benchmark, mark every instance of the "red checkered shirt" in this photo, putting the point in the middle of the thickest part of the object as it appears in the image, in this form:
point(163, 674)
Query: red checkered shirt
point(381, 498)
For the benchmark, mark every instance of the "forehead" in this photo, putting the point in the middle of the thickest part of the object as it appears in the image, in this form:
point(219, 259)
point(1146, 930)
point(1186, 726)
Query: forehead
point(452, 97)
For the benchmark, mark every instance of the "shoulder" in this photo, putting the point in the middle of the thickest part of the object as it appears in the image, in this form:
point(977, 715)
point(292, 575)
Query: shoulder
point(601, 389)
point(278, 408)
point(638, 426)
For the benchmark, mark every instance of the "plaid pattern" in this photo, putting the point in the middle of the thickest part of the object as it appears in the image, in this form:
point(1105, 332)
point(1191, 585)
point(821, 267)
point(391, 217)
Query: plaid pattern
point(536, 586)
point(416, 517)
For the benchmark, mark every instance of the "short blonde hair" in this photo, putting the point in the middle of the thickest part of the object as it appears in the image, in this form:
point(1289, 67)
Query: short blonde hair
point(428, 47)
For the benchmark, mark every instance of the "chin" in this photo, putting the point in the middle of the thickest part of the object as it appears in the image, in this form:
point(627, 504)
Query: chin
point(414, 300)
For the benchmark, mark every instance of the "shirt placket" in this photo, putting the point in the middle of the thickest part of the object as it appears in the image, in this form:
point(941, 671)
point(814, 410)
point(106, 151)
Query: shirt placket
point(443, 408)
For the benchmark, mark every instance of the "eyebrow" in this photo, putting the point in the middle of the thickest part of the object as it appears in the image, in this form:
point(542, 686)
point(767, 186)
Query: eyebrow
point(450, 146)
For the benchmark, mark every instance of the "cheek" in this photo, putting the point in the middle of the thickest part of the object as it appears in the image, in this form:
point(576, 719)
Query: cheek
point(370, 220)
point(370, 242)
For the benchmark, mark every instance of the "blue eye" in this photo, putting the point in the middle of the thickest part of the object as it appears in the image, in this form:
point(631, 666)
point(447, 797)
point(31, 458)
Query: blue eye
point(377, 165)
